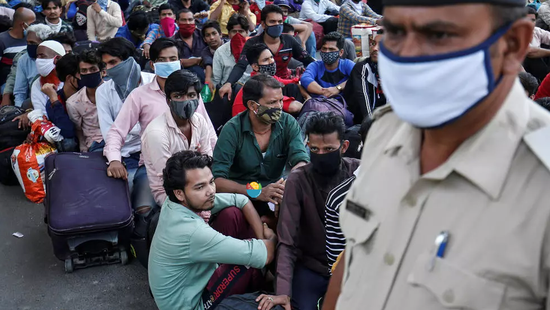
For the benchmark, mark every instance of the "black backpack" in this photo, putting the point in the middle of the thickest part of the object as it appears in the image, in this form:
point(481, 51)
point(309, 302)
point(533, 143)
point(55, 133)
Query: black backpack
point(10, 134)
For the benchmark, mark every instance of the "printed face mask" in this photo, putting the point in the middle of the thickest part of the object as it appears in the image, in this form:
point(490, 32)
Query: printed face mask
point(164, 69)
point(330, 57)
point(184, 109)
point(269, 115)
point(270, 69)
point(432, 91)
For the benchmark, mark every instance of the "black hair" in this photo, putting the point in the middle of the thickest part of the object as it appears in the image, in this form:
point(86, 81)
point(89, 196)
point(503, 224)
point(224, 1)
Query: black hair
point(529, 82)
point(138, 20)
point(531, 10)
point(174, 174)
point(180, 81)
point(184, 10)
point(5, 23)
point(288, 28)
point(63, 38)
point(159, 45)
point(67, 65)
point(325, 123)
point(237, 19)
point(253, 89)
point(271, 8)
point(253, 52)
point(165, 6)
point(211, 24)
point(46, 2)
point(365, 127)
point(24, 5)
point(334, 37)
point(117, 47)
point(91, 57)
point(504, 15)
point(544, 102)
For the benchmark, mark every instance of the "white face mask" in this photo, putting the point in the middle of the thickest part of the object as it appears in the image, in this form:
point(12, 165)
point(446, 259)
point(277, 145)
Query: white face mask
point(432, 91)
point(44, 66)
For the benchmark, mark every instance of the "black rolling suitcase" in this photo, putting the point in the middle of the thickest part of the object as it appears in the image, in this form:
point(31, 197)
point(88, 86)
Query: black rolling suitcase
point(89, 216)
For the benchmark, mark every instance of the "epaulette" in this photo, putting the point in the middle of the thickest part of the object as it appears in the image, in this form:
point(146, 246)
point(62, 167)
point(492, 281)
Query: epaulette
point(537, 141)
point(379, 112)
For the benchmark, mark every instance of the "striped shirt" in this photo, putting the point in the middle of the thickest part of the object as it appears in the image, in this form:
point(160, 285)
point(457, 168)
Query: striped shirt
point(336, 242)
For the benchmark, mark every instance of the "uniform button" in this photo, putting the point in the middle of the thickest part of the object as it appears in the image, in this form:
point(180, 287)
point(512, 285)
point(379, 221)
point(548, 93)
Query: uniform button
point(448, 296)
point(389, 259)
point(410, 201)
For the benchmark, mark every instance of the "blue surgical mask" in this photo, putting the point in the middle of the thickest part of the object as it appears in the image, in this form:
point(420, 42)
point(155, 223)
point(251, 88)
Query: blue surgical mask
point(164, 69)
point(432, 91)
point(274, 31)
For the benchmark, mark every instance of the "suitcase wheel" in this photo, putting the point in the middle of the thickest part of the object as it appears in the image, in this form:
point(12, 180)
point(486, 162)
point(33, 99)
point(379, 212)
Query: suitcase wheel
point(123, 257)
point(69, 267)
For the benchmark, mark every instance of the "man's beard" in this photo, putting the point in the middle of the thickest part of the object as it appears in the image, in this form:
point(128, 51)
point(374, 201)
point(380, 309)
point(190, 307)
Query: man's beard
point(191, 206)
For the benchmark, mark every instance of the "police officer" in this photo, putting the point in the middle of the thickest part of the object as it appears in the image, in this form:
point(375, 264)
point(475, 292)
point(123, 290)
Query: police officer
point(451, 207)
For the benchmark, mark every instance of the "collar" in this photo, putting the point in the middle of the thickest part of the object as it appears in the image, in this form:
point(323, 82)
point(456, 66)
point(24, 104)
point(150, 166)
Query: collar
point(484, 158)
point(246, 126)
point(154, 85)
point(178, 206)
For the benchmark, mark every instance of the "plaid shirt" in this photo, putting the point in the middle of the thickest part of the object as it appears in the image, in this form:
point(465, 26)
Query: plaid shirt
point(65, 27)
point(349, 17)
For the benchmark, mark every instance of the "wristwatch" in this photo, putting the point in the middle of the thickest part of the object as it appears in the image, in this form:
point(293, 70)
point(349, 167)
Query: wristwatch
point(340, 88)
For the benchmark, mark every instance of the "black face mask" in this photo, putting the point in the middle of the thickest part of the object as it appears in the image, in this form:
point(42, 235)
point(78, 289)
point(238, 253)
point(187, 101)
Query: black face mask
point(91, 80)
point(31, 50)
point(326, 164)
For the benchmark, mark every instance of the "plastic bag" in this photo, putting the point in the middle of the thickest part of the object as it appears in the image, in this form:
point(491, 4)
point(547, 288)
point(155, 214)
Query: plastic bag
point(206, 94)
point(28, 164)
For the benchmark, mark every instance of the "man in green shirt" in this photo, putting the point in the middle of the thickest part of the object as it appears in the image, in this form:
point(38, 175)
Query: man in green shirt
point(185, 251)
point(255, 145)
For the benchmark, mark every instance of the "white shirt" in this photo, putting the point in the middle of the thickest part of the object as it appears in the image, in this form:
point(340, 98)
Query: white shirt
point(109, 104)
point(310, 9)
point(38, 98)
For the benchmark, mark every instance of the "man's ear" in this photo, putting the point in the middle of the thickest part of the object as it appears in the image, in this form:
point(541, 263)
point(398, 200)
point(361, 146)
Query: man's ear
point(255, 67)
point(250, 104)
point(341, 53)
point(55, 59)
point(152, 65)
point(345, 146)
point(517, 40)
point(179, 194)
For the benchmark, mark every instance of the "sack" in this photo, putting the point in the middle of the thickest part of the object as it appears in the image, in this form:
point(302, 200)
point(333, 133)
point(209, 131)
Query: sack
point(324, 104)
point(242, 302)
point(7, 177)
point(28, 166)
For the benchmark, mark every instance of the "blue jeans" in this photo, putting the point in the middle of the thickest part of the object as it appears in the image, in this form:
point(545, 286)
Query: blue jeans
point(308, 287)
point(97, 146)
point(67, 145)
point(311, 45)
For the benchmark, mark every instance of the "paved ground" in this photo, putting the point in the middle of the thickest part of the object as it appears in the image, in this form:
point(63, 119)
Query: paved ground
point(32, 278)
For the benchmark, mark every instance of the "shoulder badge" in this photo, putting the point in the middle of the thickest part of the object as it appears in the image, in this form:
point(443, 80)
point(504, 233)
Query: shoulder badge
point(538, 143)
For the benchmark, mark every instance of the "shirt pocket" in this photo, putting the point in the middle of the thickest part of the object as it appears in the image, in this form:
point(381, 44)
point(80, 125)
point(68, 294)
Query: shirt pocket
point(455, 287)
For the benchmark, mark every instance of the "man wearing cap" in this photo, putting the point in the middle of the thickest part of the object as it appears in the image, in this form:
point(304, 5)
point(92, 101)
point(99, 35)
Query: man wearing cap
point(303, 28)
point(450, 206)
point(47, 54)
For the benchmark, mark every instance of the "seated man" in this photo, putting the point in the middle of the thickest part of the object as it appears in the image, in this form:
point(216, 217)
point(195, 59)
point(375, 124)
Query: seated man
point(536, 61)
point(328, 77)
point(56, 107)
point(258, 144)
point(136, 29)
point(52, 10)
point(66, 39)
point(125, 76)
point(221, 11)
point(188, 256)
point(322, 12)
point(350, 16)
point(302, 265)
point(178, 129)
point(212, 36)
point(363, 91)
point(47, 54)
point(227, 56)
point(303, 28)
point(13, 40)
point(283, 47)
point(144, 103)
point(23, 71)
point(103, 18)
point(529, 83)
point(261, 60)
point(167, 16)
point(81, 107)
point(190, 43)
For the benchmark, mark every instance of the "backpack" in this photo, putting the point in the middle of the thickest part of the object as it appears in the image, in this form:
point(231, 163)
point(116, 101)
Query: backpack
point(355, 142)
point(10, 134)
point(324, 104)
point(80, 18)
point(242, 302)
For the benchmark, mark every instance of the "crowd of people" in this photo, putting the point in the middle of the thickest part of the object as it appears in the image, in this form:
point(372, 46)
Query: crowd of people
point(191, 102)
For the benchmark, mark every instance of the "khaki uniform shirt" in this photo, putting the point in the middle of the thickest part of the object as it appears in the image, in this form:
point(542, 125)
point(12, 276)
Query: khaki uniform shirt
point(492, 195)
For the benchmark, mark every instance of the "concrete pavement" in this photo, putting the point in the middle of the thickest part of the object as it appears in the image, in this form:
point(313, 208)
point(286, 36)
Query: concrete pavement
point(31, 277)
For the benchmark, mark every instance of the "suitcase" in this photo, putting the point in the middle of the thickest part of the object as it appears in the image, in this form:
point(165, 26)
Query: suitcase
point(89, 216)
